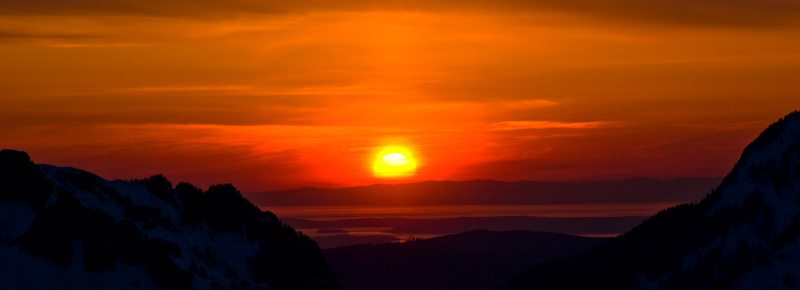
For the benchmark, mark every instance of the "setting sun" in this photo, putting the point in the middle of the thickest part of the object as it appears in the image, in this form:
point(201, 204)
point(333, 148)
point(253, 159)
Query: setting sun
point(394, 162)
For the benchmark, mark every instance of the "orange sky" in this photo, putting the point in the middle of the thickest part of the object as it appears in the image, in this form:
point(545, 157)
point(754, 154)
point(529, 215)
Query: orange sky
point(304, 93)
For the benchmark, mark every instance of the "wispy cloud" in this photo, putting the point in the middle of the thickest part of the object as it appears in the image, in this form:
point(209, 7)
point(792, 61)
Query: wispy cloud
point(526, 125)
point(526, 104)
point(727, 126)
point(744, 12)
point(84, 45)
point(9, 34)
point(231, 88)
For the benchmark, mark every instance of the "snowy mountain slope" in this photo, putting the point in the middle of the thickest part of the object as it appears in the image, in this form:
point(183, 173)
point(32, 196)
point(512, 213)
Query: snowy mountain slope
point(743, 235)
point(67, 228)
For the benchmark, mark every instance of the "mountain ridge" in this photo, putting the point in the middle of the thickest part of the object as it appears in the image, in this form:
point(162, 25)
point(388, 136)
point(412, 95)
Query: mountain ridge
point(493, 192)
point(65, 227)
point(743, 235)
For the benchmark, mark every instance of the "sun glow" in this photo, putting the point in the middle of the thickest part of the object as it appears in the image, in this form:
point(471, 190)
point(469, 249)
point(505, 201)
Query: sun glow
point(394, 161)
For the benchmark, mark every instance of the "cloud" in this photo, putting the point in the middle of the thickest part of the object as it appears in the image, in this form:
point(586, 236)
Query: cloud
point(713, 13)
point(525, 104)
point(727, 126)
point(526, 125)
point(7, 34)
point(81, 45)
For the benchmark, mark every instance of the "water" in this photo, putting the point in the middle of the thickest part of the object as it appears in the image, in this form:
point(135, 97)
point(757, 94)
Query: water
point(449, 211)
point(347, 233)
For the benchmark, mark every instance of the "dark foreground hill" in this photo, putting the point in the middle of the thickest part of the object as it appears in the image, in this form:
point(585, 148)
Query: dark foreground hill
point(472, 260)
point(66, 228)
point(743, 235)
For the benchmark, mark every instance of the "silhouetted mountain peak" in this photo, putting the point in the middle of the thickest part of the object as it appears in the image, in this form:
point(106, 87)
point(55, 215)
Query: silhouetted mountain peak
point(21, 180)
point(64, 227)
point(13, 158)
point(769, 167)
point(743, 235)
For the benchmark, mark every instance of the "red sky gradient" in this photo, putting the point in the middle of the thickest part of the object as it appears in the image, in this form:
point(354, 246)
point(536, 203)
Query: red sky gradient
point(304, 93)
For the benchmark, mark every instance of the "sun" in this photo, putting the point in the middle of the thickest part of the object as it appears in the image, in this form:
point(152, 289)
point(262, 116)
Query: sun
point(394, 161)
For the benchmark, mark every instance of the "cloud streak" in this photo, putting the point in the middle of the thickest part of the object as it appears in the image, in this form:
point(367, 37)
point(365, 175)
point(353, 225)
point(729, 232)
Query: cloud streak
point(538, 125)
point(686, 12)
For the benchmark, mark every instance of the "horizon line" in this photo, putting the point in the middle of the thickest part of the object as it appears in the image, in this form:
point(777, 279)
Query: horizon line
point(490, 180)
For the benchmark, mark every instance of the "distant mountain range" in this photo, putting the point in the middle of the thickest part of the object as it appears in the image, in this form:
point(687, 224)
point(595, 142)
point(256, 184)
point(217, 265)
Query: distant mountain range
point(63, 228)
point(494, 192)
point(474, 260)
point(405, 227)
point(744, 235)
